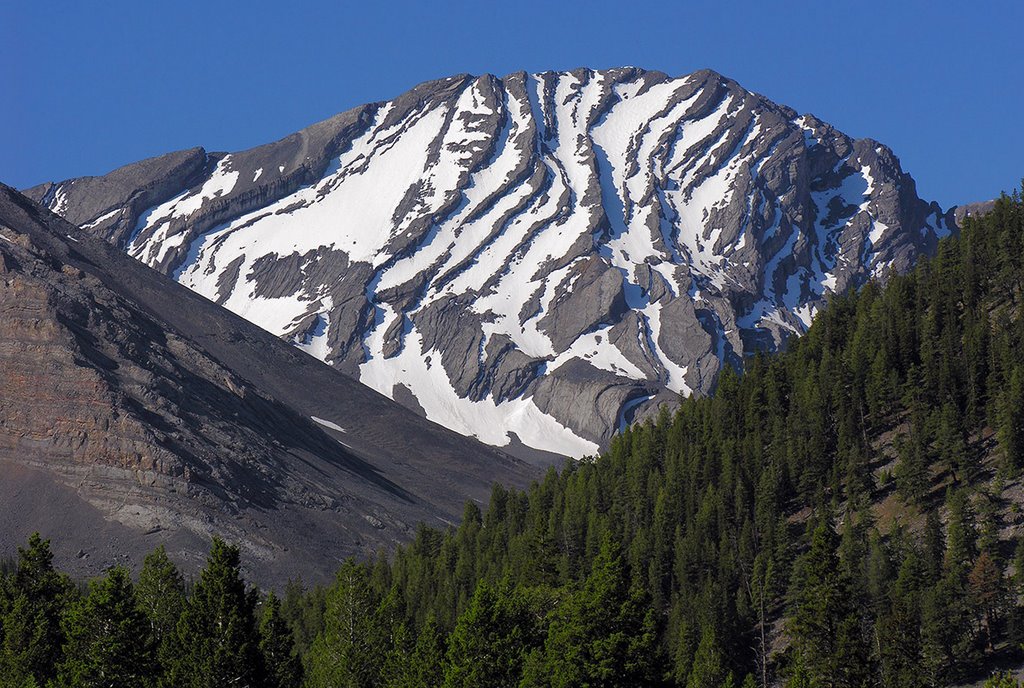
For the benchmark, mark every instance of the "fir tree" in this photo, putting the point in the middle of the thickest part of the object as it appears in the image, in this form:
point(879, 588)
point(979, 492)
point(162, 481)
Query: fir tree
point(424, 666)
point(217, 637)
point(282, 666)
point(36, 598)
point(160, 594)
point(344, 655)
point(603, 634)
point(708, 664)
point(824, 624)
point(490, 641)
point(108, 638)
point(1011, 420)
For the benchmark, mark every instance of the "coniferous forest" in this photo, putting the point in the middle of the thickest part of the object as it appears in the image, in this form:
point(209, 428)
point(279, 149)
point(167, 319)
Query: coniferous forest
point(843, 514)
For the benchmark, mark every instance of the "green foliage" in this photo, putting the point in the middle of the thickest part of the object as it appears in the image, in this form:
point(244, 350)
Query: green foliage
point(282, 666)
point(217, 636)
point(1010, 420)
point(604, 633)
point(160, 594)
point(347, 652)
point(1003, 680)
point(108, 642)
point(303, 611)
point(490, 641)
point(824, 624)
point(424, 665)
point(33, 601)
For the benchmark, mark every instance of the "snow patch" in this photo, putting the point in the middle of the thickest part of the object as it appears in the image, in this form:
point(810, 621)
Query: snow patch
point(100, 220)
point(327, 424)
point(596, 349)
point(422, 373)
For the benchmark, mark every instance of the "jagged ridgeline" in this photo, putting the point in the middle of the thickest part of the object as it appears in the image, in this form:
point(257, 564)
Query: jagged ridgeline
point(534, 260)
point(846, 513)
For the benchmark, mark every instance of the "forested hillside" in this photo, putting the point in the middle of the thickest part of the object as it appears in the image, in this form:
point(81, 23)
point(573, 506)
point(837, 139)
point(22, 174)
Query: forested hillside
point(846, 513)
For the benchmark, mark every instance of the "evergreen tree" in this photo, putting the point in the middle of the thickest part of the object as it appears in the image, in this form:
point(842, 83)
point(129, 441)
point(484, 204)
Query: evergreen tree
point(1011, 420)
point(282, 666)
point(899, 628)
point(108, 642)
point(988, 594)
point(948, 632)
point(160, 594)
point(490, 642)
point(961, 536)
point(604, 634)
point(424, 666)
point(344, 654)
point(708, 664)
point(32, 635)
point(825, 627)
point(912, 475)
point(217, 637)
point(704, 502)
point(303, 611)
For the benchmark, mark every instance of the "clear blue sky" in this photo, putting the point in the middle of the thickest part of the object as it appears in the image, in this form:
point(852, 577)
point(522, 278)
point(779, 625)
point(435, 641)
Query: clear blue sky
point(88, 86)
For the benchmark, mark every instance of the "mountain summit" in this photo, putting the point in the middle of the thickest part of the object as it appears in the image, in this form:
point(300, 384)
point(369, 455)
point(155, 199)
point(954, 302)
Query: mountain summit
point(533, 260)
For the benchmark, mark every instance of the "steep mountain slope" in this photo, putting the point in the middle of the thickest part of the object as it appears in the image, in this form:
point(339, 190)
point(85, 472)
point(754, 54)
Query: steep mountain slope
point(534, 259)
point(133, 407)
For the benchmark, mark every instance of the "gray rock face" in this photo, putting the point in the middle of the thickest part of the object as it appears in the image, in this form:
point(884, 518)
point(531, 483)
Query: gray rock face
point(534, 258)
point(962, 212)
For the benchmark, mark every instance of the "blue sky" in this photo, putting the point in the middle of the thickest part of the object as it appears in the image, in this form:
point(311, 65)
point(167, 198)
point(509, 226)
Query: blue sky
point(89, 86)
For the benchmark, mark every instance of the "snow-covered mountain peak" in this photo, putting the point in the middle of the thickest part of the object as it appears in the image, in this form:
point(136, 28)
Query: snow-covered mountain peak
point(534, 259)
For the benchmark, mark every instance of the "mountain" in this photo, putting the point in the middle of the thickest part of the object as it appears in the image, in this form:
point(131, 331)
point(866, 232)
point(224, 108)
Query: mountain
point(134, 412)
point(534, 260)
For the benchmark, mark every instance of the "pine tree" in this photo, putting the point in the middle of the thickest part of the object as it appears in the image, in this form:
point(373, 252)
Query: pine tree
point(988, 594)
point(934, 546)
point(282, 666)
point(1011, 421)
point(160, 595)
point(217, 637)
point(912, 476)
point(108, 638)
point(32, 634)
point(961, 535)
point(424, 666)
point(605, 633)
point(708, 664)
point(303, 610)
point(949, 637)
point(899, 628)
point(824, 624)
point(344, 654)
point(490, 642)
